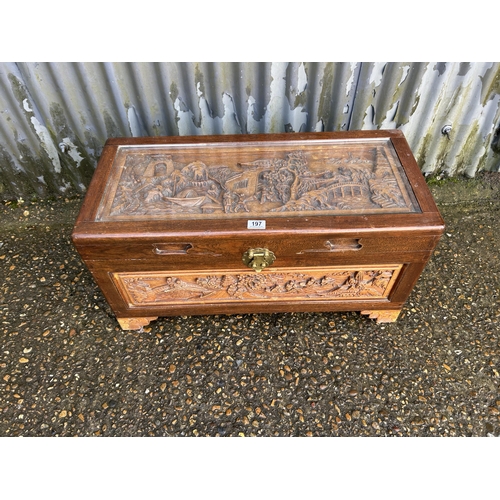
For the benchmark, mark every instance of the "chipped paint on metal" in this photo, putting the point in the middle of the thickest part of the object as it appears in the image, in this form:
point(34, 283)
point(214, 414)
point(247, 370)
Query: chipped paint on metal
point(277, 111)
point(66, 146)
point(302, 78)
point(210, 124)
point(377, 73)
point(252, 123)
point(350, 82)
point(55, 117)
point(404, 75)
point(45, 138)
point(333, 93)
point(26, 106)
point(134, 123)
point(230, 123)
point(369, 118)
point(390, 121)
point(298, 114)
point(185, 118)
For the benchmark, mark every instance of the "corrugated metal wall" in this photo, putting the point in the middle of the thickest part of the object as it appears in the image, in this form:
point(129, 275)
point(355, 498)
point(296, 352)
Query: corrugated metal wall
point(55, 117)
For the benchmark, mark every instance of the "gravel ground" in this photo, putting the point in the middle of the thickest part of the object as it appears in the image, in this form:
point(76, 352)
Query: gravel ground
point(66, 369)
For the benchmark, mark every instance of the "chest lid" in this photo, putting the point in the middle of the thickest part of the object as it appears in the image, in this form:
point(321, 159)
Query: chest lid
point(270, 182)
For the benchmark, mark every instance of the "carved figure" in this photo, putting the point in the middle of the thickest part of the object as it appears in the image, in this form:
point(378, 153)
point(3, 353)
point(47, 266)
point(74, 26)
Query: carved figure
point(160, 185)
point(333, 285)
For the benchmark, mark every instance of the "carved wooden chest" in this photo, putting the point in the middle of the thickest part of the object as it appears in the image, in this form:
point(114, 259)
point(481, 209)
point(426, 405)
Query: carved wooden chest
point(257, 223)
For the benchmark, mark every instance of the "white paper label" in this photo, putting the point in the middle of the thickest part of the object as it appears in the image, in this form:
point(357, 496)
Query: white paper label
point(256, 224)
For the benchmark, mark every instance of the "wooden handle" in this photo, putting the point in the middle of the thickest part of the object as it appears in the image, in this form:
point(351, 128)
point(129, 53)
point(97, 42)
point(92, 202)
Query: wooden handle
point(171, 248)
point(337, 245)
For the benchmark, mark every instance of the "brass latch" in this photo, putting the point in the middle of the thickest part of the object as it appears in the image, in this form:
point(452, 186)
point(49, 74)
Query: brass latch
point(258, 258)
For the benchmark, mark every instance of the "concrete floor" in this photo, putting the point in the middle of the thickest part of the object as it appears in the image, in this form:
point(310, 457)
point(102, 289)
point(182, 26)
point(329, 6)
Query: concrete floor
point(66, 369)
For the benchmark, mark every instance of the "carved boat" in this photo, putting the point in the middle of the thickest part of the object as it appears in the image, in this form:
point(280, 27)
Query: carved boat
point(187, 202)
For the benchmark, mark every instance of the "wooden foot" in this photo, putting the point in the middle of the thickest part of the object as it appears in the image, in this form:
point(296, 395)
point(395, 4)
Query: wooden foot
point(383, 316)
point(134, 323)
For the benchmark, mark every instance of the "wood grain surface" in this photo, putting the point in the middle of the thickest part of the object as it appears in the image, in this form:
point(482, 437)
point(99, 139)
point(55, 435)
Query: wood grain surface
point(167, 218)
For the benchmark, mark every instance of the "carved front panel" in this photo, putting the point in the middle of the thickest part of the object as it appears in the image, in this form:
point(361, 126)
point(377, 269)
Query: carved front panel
point(335, 283)
point(240, 180)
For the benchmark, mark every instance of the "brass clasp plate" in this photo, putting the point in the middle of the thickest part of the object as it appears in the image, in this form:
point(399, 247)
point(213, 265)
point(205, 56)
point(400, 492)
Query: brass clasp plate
point(258, 258)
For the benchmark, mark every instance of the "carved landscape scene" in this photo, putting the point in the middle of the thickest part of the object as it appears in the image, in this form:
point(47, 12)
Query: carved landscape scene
point(271, 183)
point(342, 284)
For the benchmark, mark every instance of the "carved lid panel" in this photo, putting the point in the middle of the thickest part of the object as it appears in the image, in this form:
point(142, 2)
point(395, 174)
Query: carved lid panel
point(245, 180)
